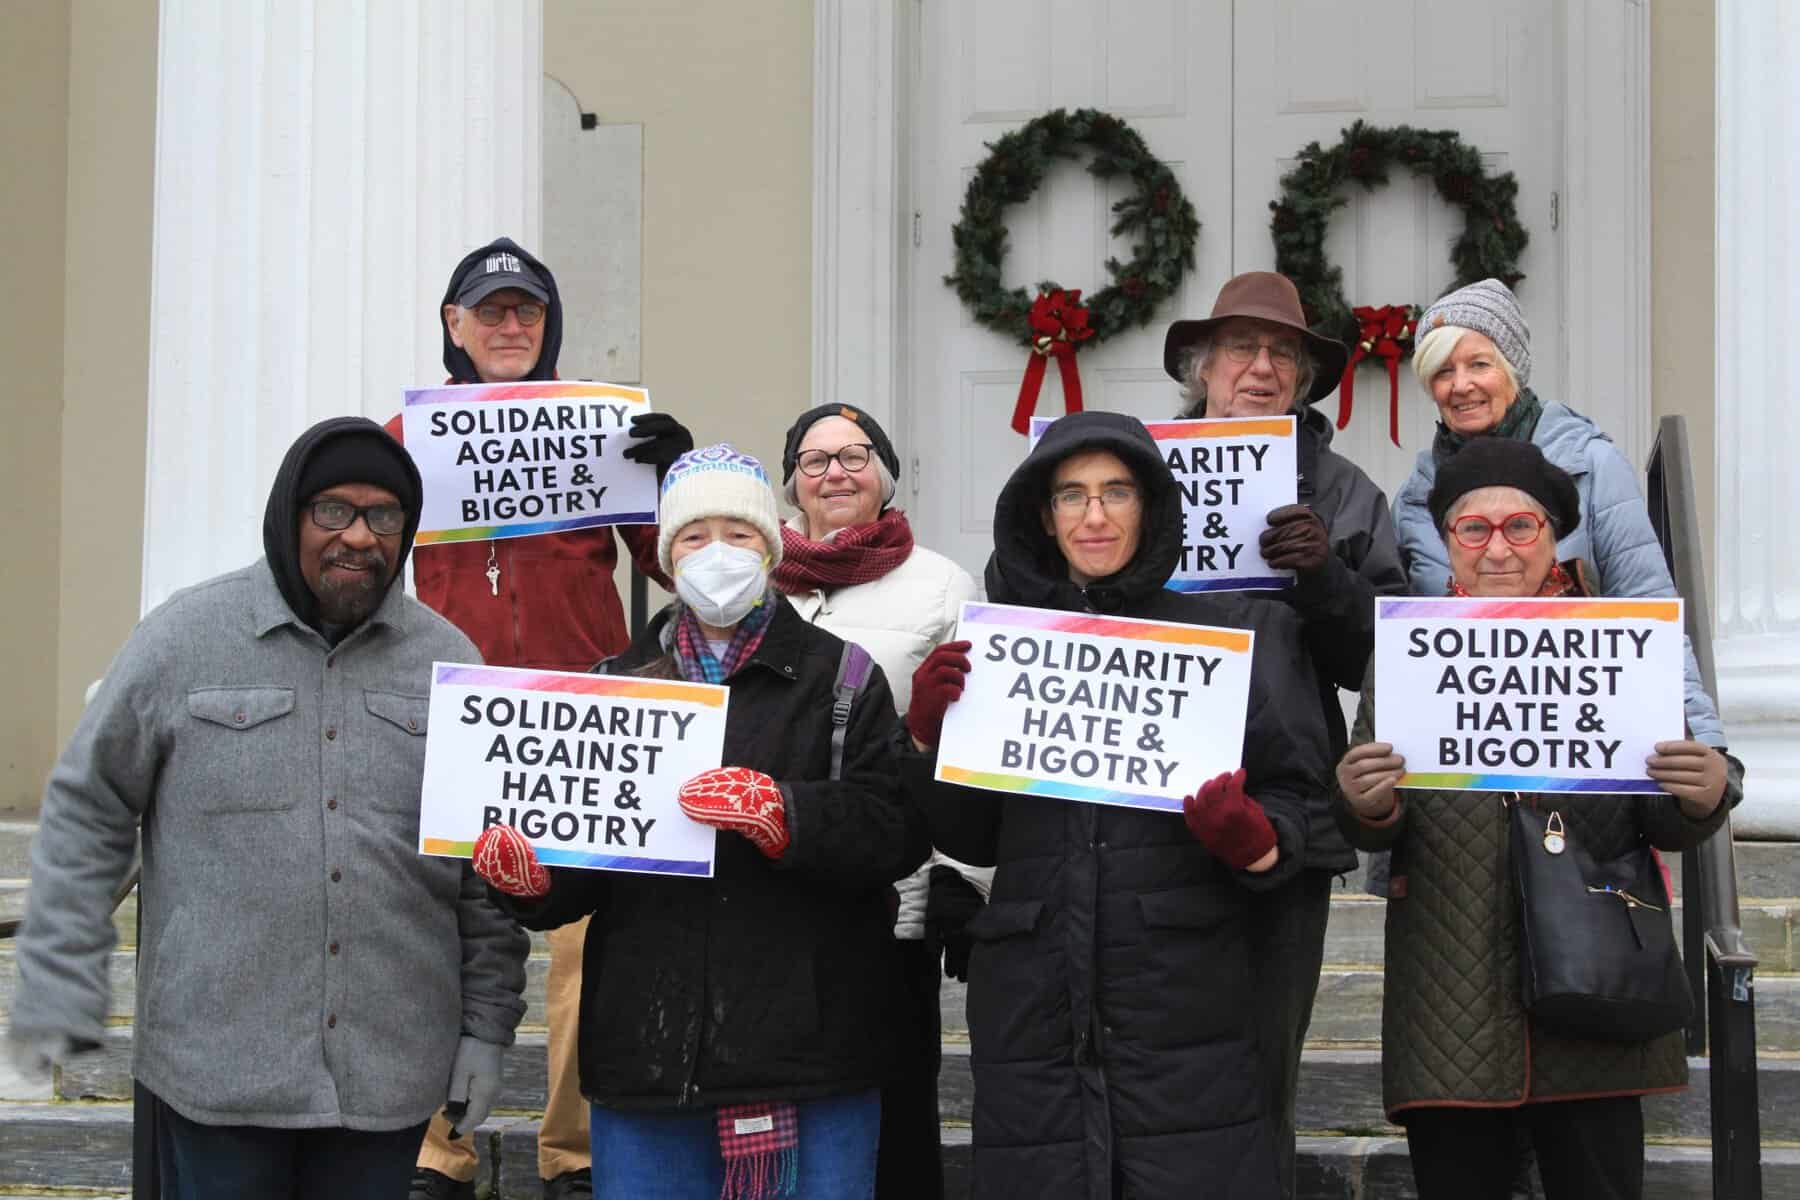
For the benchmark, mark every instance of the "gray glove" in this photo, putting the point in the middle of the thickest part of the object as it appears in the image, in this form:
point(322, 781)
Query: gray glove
point(35, 1057)
point(474, 1084)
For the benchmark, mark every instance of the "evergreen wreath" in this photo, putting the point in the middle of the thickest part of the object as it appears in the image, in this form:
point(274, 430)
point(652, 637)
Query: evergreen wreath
point(1156, 213)
point(1055, 324)
point(1492, 238)
point(1489, 248)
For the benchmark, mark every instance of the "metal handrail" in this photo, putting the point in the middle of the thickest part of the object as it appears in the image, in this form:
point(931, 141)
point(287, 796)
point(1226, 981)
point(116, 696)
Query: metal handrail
point(1720, 964)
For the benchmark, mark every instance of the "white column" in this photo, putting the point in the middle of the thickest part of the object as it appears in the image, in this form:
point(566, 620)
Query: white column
point(859, 185)
point(1757, 305)
point(321, 165)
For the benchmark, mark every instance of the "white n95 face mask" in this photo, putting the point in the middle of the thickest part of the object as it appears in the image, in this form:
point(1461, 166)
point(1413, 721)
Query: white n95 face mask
point(722, 583)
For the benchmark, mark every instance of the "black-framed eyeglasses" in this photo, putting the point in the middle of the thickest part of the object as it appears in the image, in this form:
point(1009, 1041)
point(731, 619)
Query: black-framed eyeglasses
point(853, 458)
point(1519, 529)
point(1070, 501)
point(384, 520)
point(529, 312)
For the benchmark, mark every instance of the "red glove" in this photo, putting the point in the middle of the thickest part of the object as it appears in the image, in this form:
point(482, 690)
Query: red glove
point(1229, 823)
point(740, 800)
point(1295, 540)
point(506, 860)
point(937, 684)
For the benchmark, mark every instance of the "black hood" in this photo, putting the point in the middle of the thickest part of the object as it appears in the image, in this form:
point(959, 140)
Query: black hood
point(1026, 566)
point(281, 518)
point(457, 361)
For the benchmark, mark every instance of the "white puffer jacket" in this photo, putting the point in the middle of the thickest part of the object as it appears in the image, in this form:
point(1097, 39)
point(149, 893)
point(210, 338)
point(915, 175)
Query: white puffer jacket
point(898, 619)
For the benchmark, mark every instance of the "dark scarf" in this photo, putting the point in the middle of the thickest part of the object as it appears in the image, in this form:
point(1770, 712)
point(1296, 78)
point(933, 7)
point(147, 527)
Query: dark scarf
point(858, 554)
point(694, 658)
point(1518, 422)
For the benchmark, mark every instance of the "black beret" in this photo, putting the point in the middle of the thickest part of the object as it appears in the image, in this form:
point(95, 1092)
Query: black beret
point(878, 438)
point(1506, 462)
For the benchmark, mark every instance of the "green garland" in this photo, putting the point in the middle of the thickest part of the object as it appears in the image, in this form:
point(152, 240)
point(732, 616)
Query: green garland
point(1156, 214)
point(1491, 241)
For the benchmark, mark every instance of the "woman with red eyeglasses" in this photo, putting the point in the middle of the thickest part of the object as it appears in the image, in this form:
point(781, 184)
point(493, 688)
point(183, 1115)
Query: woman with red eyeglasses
point(1464, 1068)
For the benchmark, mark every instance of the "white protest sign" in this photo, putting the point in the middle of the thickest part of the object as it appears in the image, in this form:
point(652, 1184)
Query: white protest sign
point(1105, 710)
point(506, 460)
point(1232, 473)
point(585, 766)
point(1529, 695)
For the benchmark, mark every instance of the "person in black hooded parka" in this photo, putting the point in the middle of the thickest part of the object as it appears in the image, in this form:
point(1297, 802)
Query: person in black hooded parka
point(1111, 1012)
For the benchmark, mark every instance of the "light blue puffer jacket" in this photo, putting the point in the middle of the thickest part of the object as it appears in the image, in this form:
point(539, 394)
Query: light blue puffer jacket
point(1615, 533)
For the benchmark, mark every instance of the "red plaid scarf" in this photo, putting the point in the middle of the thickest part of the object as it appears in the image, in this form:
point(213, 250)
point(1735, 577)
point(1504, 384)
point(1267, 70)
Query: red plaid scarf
point(858, 554)
point(1557, 583)
point(761, 1147)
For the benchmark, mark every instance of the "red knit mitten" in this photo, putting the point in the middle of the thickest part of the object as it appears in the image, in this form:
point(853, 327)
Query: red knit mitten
point(937, 684)
point(506, 860)
point(1227, 822)
point(740, 800)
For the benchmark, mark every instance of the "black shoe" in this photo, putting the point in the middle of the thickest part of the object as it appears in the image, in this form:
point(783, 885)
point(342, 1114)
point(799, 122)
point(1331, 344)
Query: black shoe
point(434, 1185)
point(570, 1185)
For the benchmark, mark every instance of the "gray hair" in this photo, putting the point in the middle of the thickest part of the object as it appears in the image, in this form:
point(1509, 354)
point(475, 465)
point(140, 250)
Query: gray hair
point(1193, 362)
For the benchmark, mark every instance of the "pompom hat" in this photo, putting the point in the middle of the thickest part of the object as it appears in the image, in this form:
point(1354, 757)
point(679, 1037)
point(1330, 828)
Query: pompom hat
point(716, 481)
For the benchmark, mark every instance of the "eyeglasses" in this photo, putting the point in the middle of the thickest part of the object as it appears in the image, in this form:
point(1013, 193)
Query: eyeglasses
point(529, 312)
point(1073, 501)
point(1520, 529)
point(853, 458)
point(1243, 350)
point(384, 520)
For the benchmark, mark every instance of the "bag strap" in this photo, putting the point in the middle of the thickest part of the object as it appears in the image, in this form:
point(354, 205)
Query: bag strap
point(852, 673)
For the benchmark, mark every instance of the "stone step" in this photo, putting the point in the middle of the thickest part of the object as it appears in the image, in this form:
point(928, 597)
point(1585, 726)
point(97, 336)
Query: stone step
point(1347, 1011)
point(1340, 1093)
point(85, 1150)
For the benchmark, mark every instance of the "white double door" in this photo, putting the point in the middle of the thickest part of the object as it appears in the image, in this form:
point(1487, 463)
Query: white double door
point(1225, 93)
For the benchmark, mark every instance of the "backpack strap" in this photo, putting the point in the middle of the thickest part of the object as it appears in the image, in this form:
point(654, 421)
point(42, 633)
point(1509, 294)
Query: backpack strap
point(854, 665)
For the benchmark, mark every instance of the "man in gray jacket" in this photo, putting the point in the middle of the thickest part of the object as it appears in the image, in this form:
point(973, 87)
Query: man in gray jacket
point(310, 989)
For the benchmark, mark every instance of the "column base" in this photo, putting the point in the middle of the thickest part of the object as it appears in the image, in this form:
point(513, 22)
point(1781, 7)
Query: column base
point(1759, 700)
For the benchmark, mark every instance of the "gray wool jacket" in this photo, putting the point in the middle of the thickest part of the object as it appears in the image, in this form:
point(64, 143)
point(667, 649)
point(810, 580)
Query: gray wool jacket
point(300, 964)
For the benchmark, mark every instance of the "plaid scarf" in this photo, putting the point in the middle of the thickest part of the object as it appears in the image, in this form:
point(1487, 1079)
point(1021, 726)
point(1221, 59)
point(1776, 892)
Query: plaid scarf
point(857, 554)
point(1557, 583)
point(761, 1147)
point(694, 658)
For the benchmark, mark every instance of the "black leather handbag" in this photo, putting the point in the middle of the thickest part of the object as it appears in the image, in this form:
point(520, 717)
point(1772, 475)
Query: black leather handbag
point(1598, 948)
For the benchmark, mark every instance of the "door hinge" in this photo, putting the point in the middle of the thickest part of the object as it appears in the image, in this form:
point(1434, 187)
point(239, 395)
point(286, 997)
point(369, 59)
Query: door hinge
point(913, 476)
point(918, 228)
point(1555, 209)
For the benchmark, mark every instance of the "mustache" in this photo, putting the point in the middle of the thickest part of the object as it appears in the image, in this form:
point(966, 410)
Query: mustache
point(358, 560)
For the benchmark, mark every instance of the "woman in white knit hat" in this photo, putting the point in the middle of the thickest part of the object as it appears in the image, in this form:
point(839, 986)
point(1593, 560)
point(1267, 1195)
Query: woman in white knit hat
point(734, 1030)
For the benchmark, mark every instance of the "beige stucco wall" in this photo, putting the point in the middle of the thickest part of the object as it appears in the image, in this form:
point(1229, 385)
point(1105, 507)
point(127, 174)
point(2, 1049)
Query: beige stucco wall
point(34, 61)
point(106, 340)
point(725, 99)
point(1681, 231)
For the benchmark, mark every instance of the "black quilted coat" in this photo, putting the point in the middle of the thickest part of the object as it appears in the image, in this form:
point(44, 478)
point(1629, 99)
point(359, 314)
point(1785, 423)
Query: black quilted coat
point(772, 980)
point(1110, 1001)
point(1453, 1029)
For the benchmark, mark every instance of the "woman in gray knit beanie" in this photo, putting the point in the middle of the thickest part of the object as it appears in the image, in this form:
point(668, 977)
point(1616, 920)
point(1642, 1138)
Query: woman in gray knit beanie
point(1474, 357)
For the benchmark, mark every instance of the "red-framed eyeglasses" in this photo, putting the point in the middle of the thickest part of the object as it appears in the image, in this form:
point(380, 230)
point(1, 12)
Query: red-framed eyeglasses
point(1519, 529)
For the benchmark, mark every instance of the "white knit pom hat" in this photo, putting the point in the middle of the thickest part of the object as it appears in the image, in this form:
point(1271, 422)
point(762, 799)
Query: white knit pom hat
point(716, 481)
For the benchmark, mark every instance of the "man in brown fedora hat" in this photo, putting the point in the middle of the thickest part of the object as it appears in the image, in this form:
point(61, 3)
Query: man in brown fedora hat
point(1255, 357)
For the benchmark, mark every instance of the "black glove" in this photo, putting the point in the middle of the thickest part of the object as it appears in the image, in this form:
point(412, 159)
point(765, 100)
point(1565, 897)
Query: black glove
point(667, 440)
point(951, 902)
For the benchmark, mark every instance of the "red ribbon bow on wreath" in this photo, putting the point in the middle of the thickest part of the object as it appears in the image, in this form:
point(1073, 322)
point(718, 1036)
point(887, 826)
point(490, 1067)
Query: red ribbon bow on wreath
point(1384, 333)
point(1058, 326)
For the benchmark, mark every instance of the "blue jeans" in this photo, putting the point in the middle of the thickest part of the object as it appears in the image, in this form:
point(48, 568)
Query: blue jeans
point(660, 1156)
point(231, 1162)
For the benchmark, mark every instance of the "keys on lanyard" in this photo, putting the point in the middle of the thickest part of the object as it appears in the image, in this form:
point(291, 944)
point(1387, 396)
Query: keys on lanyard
point(493, 571)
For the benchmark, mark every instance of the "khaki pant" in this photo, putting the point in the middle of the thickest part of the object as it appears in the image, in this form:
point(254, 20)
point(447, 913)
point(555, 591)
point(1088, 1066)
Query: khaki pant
point(563, 1136)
